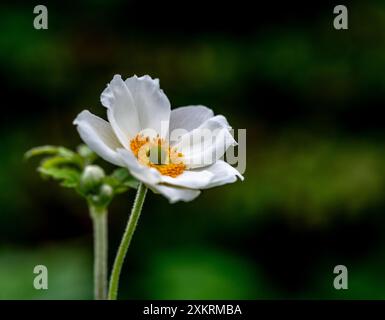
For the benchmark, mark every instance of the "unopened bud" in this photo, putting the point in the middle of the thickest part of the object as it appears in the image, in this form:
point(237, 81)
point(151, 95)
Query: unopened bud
point(84, 151)
point(91, 179)
point(106, 191)
point(103, 197)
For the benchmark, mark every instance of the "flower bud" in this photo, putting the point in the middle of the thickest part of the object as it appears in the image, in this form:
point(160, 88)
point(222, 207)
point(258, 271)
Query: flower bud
point(91, 179)
point(103, 197)
point(84, 151)
point(106, 191)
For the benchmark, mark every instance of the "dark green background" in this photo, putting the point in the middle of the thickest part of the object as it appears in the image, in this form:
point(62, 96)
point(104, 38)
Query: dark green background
point(310, 97)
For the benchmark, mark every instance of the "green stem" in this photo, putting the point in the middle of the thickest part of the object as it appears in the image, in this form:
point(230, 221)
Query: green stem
point(99, 219)
point(125, 242)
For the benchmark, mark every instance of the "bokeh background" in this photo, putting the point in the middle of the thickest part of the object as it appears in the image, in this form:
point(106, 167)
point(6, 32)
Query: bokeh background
point(309, 96)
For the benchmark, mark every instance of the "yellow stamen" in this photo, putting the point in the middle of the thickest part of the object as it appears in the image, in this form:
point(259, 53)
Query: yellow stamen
point(172, 169)
point(138, 142)
point(169, 160)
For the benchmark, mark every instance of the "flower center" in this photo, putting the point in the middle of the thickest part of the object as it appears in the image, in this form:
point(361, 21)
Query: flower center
point(156, 153)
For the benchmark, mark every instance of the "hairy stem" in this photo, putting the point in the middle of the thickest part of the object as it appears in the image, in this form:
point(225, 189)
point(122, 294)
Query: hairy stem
point(125, 242)
point(99, 219)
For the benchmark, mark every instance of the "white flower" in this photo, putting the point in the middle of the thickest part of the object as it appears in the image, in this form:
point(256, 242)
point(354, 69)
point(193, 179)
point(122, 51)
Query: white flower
point(161, 148)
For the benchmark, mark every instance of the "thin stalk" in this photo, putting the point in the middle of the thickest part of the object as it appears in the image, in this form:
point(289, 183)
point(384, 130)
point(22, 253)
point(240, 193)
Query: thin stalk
point(99, 220)
point(125, 242)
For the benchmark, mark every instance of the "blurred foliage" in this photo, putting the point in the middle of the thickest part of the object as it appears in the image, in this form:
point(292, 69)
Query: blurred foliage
point(313, 178)
point(204, 274)
point(69, 272)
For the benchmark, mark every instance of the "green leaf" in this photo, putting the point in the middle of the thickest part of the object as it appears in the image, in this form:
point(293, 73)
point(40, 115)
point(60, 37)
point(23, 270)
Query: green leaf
point(59, 156)
point(121, 180)
point(70, 168)
point(49, 150)
point(57, 162)
point(121, 174)
point(124, 177)
point(87, 154)
point(103, 197)
point(68, 177)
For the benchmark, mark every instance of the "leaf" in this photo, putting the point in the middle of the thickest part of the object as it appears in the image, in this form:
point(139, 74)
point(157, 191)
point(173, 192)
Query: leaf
point(60, 155)
point(49, 150)
point(68, 177)
point(68, 168)
point(124, 177)
point(58, 162)
point(121, 180)
point(87, 154)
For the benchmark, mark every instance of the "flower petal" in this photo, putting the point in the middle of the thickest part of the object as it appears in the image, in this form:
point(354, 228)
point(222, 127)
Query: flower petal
point(121, 110)
point(189, 118)
point(151, 177)
point(222, 172)
point(152, 105)
point(147, 175)
point(175, 194)
point(215, 175)
point(207, 143)
point(190, 179)
point(99, 136)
